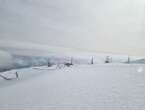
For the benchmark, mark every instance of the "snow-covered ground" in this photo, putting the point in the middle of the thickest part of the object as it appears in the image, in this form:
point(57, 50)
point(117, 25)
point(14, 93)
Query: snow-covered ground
point(80, 87)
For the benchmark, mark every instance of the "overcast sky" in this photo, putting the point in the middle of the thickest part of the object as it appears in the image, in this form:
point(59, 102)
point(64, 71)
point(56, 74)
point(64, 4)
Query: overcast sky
point(116, 26)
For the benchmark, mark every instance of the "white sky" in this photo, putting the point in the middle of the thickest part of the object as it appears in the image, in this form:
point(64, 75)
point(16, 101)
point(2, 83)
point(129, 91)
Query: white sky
point(96, 25)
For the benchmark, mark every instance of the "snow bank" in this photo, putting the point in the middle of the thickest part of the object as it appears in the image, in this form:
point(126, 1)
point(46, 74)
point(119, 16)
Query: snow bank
point(5, 60)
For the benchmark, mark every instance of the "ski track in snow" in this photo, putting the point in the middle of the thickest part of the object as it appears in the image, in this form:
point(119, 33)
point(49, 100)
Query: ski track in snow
point(80, 87)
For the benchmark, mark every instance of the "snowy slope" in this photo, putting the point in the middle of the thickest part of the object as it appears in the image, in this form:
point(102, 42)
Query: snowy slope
point(140, 61)
point(5, 60)
point(81, 87)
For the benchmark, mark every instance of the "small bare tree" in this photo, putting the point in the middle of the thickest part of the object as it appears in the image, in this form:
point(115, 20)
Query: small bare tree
point(128, 60)
point(107, 59)
point(71, 61)
point(69, 64)
point(92, 60)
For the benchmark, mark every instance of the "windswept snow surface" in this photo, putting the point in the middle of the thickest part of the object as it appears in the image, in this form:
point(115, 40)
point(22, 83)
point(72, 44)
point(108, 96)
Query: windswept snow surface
point(80, 87)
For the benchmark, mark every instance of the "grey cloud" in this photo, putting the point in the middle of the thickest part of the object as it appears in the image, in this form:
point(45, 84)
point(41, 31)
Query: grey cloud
point(97, 25)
